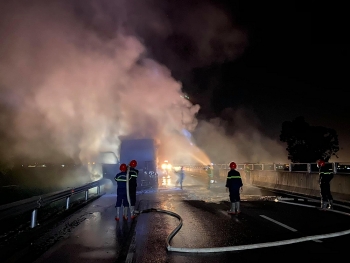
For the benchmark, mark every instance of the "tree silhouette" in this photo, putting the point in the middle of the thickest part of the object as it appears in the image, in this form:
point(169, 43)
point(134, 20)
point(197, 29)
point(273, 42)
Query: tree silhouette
point(307, 144)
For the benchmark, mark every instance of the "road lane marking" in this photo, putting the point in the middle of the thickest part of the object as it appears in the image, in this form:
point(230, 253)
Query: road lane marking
point(315, 238)
point(315, 201)
point(327, 210)
point(279, 223)
point(278, 201)
point(285, 226)
point(291, 199)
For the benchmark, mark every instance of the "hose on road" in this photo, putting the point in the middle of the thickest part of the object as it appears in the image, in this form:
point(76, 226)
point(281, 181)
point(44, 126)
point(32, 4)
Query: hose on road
point(232, 248)
point(240, 247)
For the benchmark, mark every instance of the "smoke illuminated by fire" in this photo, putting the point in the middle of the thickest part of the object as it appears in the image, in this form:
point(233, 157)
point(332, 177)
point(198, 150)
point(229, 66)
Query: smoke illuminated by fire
point(76, 75)
point(65, 89)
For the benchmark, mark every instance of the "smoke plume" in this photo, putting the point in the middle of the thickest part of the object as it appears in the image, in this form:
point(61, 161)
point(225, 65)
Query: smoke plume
point(238, 136)
point(77, 75)
point(66, 89)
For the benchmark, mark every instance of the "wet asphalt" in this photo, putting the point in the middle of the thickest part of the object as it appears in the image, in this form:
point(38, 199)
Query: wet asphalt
point(265, 230)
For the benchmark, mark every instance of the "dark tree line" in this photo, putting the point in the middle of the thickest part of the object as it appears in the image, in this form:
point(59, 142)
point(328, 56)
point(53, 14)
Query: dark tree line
point(306, 143)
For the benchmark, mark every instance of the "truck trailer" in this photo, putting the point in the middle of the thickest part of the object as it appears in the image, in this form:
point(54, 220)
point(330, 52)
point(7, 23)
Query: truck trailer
point(144, 151)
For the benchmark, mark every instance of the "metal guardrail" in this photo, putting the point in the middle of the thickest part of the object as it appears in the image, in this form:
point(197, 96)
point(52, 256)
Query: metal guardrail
point(35, 203)
point(337, 168)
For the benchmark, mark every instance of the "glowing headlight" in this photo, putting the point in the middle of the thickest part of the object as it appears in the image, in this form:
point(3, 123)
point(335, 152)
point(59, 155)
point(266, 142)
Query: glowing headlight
point(164, 166)
point(169, 166)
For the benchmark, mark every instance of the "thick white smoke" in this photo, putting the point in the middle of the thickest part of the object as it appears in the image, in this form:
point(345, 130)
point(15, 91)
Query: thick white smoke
point(242, 141)
point(71, 91)
point(76, 75)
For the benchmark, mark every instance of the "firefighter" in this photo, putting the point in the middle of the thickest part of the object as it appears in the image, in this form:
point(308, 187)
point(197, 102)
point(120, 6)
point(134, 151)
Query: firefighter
point(121, 192)
point(234, 185)
point(216, 173)
point(133, 173)
point(210, 175)
point(247, 173)
point(325, 177)
point(181, 176)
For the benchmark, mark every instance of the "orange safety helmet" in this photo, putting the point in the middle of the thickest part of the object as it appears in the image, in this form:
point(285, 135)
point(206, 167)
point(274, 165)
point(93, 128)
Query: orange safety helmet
point(233, 165)
point(133, 163)
point(123, 167)
point(320, 163)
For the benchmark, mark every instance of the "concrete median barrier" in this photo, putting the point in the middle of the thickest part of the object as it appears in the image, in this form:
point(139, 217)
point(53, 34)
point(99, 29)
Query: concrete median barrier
point(301, 183)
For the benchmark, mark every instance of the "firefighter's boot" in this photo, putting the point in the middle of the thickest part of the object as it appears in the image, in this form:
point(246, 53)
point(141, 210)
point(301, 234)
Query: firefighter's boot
point(324, 205)
point(232, 211)
point(117, 213)
point(132, 212)
point(125, 213)
point(330, 204)
point(238, 207)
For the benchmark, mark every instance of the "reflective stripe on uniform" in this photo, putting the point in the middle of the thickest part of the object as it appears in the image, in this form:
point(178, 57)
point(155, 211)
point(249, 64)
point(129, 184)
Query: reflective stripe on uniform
point(121, 179)
point(232, 177)
point(133, 174)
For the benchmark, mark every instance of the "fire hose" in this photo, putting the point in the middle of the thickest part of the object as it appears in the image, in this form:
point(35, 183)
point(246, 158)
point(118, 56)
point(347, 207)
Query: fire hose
point(232, 248)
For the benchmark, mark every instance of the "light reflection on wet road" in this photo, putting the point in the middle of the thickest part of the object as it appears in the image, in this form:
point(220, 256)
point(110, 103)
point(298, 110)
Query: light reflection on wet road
point(206, 224)
point(98, 238)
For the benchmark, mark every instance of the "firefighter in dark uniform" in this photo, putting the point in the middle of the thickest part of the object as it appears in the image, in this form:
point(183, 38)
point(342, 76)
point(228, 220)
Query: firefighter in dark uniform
point(325, 177)
point(122, 199)
point(234, 185)
point(133, 173)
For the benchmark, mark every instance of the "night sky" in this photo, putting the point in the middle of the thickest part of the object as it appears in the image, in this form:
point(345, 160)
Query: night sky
point(295, 63)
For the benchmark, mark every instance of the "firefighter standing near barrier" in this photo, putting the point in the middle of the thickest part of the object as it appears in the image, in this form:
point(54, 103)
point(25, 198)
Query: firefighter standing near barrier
point(325, 177)
point(216, 173)
point(234, 185)
point(133, 173)
point(122, 199)
point(210, 175)
point(247, 173)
